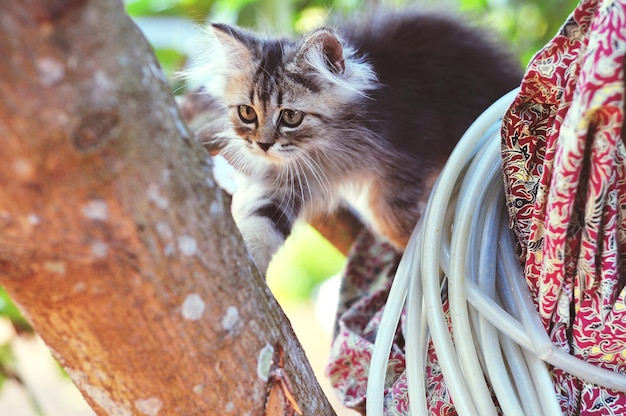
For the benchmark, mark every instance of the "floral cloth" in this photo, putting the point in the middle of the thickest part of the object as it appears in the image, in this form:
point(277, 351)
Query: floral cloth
point(564, 165)
point(565, 179)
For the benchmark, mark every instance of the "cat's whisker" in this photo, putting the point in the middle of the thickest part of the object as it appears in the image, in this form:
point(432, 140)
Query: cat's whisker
point(231, 153)
point(280, 186)
point(332, 163)
point(182, 87)
point(237, 159)
point(304, 182)
point(259, 13)
point(297, 181)
point(317, 172)
point(278, 190)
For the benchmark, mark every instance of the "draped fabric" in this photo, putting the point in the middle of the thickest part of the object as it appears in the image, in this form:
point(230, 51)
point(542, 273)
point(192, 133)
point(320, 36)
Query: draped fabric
point(564, 166)
point(565, 180)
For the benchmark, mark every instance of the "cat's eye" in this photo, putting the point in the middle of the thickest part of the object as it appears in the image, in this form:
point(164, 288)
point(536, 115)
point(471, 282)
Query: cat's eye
point(247, 114)
point(291, 118)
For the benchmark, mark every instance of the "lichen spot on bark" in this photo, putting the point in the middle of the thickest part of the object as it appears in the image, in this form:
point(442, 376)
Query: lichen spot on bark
point(99, 249)
point(154, 195)
point(264, 363)
point(193, 307)
point(24, 170)
point(230, 319)
point(55, 266)
point(150, 406)
point(187, 245)
point(50, 71)
point(96, 209)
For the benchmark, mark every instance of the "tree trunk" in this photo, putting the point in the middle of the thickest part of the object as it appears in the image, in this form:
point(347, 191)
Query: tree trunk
point(114, 239)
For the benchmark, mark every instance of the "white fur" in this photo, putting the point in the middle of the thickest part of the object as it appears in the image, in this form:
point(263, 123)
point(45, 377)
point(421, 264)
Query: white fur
point(258, 233)
point(210, 69)
point(356, 195)
point(224, 174)
point(357, 78)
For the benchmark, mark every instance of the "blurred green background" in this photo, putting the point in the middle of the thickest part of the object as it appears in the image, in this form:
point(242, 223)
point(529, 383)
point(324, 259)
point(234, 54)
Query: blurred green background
point(169, 25)
point(526, 24)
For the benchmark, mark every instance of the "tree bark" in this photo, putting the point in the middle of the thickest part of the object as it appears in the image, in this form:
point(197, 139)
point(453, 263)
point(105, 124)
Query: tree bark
point(115, 240)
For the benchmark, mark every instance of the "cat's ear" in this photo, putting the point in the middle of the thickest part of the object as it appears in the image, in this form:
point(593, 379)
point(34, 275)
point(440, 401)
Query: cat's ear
point(324, 44)
point(235, 44)
point(224, 51)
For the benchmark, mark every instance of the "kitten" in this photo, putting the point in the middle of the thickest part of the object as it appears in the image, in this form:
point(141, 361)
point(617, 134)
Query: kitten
point(364, 115)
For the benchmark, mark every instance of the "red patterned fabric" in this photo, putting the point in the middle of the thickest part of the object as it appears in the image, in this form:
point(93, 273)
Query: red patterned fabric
point(565, 177)
point(366, 284)
point(365, 287)
point(564, 166)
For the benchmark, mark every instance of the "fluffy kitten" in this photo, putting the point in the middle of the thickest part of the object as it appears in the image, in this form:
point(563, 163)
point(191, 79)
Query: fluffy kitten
point(363, 115)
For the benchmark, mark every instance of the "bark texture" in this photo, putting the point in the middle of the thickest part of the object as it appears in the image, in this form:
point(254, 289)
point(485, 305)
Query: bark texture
point(114, 239)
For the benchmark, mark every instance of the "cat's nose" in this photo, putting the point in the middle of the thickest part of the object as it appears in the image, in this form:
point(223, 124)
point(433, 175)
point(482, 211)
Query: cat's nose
point(264, 146)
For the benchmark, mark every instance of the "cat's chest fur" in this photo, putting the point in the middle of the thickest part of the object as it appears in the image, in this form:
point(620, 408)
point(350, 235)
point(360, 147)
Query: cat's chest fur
point(356, 195)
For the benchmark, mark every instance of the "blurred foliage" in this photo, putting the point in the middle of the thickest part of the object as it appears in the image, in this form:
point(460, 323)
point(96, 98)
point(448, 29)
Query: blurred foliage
point(10, 314)
point(301, 264)
point(10, 311)
point(526, 24)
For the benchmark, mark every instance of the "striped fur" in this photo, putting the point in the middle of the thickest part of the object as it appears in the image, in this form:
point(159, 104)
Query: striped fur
point(362, 116)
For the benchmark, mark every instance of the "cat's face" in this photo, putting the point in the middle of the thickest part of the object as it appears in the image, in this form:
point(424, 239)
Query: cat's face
point(274, 117)
point(283, 96)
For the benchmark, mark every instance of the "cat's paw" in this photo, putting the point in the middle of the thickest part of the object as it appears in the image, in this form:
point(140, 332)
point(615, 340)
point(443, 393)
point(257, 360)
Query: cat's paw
point(258, 229)
point(261, 239)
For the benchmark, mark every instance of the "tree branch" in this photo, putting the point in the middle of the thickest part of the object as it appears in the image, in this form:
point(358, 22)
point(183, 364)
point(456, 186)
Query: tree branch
point(114, 239)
